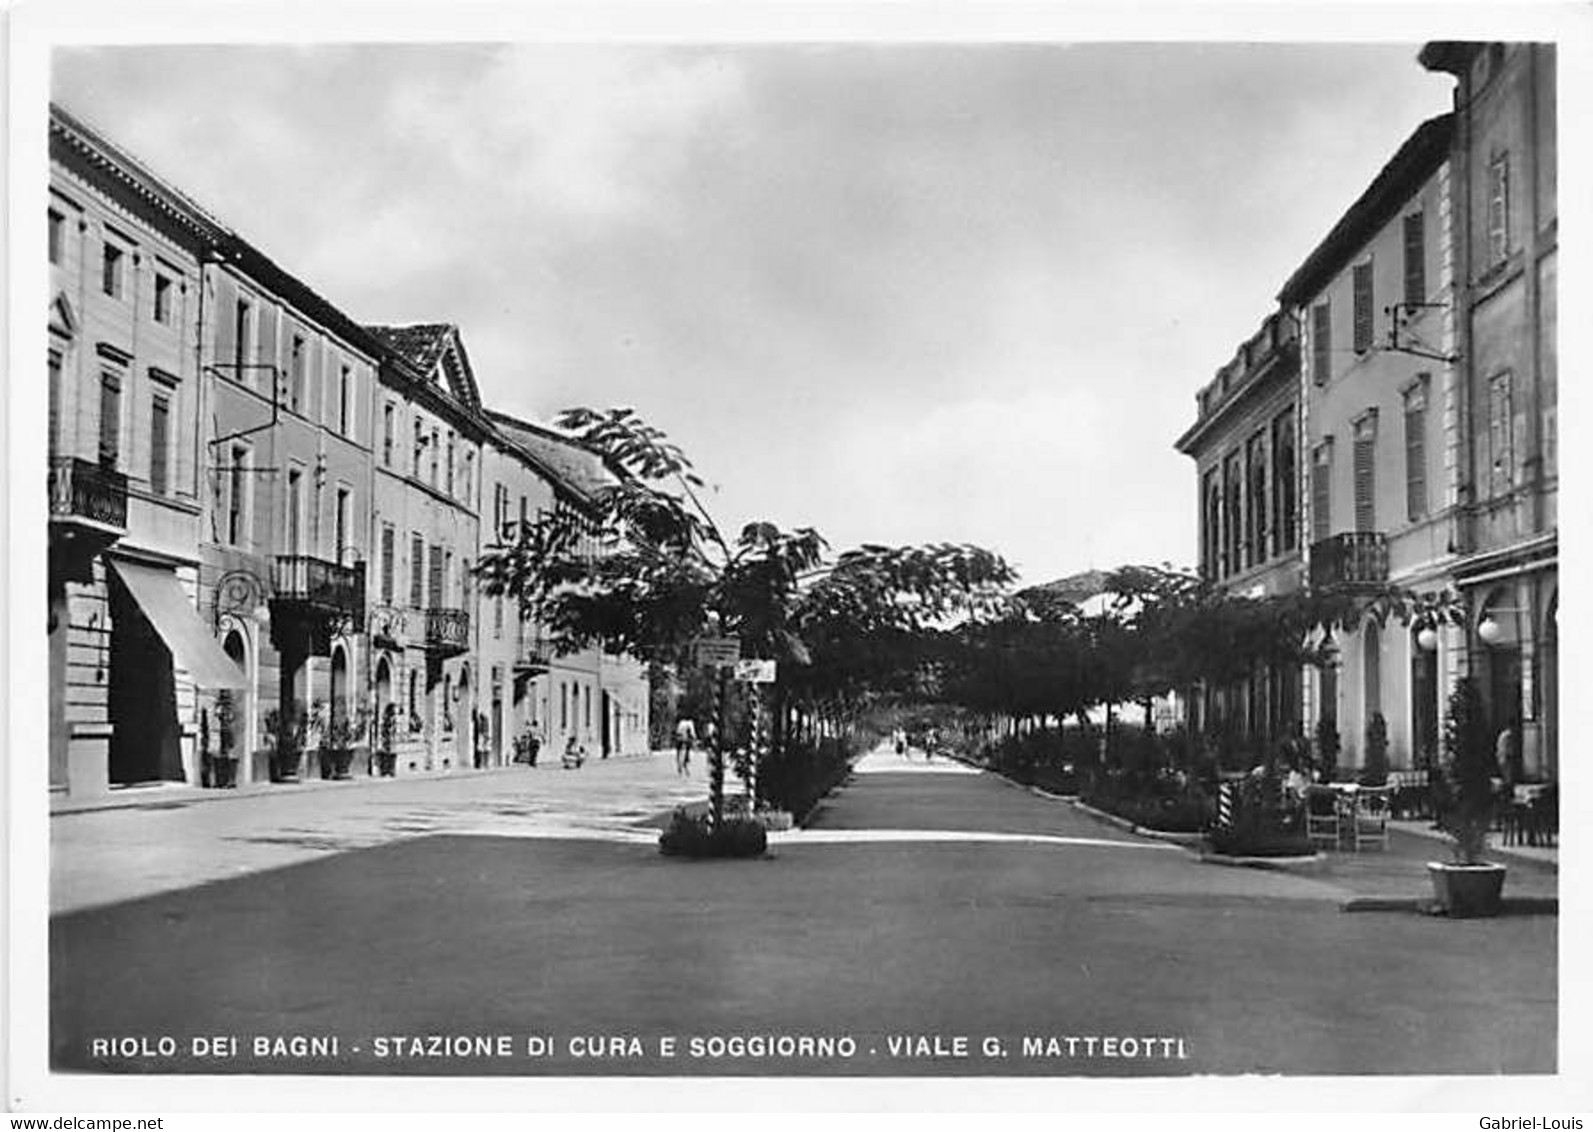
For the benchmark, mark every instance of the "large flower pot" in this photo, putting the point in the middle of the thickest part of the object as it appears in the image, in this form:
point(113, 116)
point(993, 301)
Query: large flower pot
point(342, 762)
point(224, 772)
point(1467, 890)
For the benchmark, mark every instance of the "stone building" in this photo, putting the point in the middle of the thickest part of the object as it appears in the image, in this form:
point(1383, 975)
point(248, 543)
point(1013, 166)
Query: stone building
point(430, 430)
point(264, 516)
point(128, 479)
point(1503, 245)
point(1379, 394)
point(1245, 444)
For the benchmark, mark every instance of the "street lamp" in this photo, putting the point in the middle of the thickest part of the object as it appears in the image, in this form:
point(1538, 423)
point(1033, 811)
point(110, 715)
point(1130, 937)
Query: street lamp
point(1489, 630)
point(1428, 638)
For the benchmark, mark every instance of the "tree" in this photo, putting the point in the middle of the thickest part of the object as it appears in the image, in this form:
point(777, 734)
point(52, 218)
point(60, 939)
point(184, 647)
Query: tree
point(666, 575)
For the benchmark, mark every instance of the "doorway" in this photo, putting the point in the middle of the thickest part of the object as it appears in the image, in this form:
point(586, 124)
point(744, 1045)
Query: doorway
point(145, 736)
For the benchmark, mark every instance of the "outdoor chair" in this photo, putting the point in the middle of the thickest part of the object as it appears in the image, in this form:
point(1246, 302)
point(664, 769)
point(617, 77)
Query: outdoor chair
point(1370, 821)
point(1322, 816)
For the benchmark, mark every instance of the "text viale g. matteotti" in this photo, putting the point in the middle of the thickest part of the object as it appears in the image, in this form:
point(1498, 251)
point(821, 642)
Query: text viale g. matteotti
point(402, 1047)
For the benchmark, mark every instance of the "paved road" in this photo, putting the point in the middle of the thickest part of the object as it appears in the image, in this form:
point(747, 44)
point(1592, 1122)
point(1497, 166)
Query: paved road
point(927, 912)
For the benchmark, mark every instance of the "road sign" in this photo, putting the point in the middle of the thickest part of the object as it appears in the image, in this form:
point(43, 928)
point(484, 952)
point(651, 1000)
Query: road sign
point(717, 651)
point(755, 671)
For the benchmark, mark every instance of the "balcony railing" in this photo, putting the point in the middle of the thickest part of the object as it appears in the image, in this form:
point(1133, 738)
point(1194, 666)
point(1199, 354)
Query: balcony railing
point(1351, 558)
point(533, 653)
point(447, 630)
point(319, 585)
point(81, 491)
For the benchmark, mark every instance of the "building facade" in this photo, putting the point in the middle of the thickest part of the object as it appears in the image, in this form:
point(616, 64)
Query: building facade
point(597, 700)
point(264, 517)
point(1504, 244)
point(128, 653)
point(1246, 443)
point(285, 539)
point(1379, 400)
point(425, 526)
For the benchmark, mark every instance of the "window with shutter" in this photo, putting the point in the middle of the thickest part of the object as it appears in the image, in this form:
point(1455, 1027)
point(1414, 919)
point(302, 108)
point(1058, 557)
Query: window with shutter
point(1362, 282)
point(388, 551)
point(417, 570)
point(110, 419)
point(1365, 471)
point(1415, 259)
point(1321, 343)
point(1256, 459)
point(1499, 208)
point(388, 428)
point(1322, 492)
point(1416, 450)
point(1499, 445)
point(434, 582)
point(1285, 506)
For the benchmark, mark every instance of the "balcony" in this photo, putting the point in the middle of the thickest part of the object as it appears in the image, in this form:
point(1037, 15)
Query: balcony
point(316, 586)
point(447, 631)
point(84, 493)
point(1349, 560)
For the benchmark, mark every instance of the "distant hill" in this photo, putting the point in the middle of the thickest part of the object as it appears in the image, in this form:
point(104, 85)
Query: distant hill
point(1076, 588)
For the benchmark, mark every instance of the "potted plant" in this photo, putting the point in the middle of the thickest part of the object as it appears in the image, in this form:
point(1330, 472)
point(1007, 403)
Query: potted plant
point(1327, 747)
point(1469, 885)
point(1375, 771)
point(224, 764)
point(337, 745)
point(387, 731)
point(287, 733)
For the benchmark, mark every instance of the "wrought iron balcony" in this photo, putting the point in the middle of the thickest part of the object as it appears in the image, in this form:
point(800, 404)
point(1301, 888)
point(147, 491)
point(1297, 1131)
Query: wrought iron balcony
point(315, 585)
point(1349, 559)
point(447, 631)
point(84, 492)
point(533, 653)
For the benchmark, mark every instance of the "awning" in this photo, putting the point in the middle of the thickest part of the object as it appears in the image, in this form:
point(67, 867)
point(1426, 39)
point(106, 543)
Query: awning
point(162, 600)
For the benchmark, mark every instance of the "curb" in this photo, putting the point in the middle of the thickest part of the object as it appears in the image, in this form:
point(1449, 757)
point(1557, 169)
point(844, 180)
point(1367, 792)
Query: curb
point(1513, 905)
point(1311, 864)
point(185, 795)
point(1510, 851)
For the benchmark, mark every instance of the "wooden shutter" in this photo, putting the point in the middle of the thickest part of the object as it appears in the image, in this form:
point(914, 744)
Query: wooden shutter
point(1499, 208)
point(417, 571)
point(1415, 259)
point(1365, 465)
point(1499, 446)
point(1362, 281)
point(434, 579)
point(159, 421)
point(1321, 343)
point(226, 324)
point(1322, 493)
point(110, 419)
point(387, 565)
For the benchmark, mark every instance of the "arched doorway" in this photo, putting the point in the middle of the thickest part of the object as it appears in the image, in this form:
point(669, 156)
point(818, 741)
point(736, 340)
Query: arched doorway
point(1424, 692)
point(235, 709)
point(385, 733)
point(1498, 627)
point(338, 705)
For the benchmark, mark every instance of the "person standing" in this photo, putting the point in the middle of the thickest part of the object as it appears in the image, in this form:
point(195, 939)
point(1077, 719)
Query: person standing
point(685, 738)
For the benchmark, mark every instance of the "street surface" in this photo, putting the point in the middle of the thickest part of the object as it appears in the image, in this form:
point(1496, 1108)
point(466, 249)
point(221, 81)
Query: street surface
point(932, 920)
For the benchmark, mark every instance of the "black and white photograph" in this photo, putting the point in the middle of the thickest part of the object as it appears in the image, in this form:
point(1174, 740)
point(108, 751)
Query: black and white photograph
point(948, 555)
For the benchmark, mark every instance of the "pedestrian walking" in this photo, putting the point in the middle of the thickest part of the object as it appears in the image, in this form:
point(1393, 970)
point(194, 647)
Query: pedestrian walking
point(685, 737)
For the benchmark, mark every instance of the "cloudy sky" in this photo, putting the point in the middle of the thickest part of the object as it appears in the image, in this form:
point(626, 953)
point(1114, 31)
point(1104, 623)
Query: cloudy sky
point(902, 293)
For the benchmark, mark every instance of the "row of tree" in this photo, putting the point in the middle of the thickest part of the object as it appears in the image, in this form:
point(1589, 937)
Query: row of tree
point(927, 622)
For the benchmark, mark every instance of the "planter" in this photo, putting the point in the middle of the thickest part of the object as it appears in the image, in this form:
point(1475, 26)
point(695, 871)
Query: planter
point(386, 763)
point(336, 762)
point(1467, 890)
point(224, 772)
